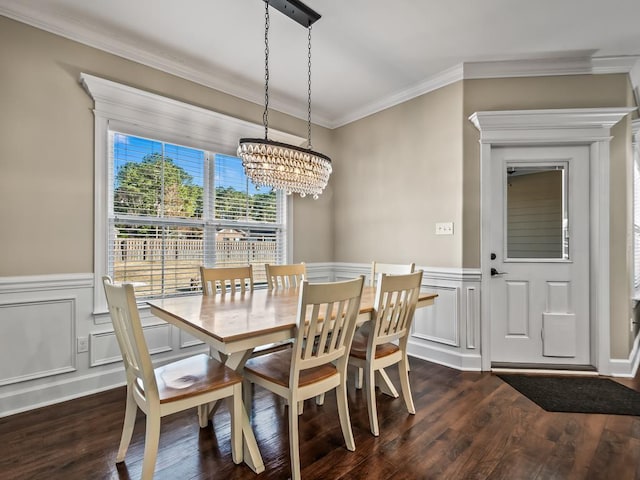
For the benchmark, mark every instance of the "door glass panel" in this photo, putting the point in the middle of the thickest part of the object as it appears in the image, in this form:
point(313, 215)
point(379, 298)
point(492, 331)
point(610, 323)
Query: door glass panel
point(536, 212)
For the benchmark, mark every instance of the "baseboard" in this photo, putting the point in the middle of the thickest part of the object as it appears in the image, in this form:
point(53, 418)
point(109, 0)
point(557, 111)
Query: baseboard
point(448, 358)
point(60, 390)
point(626, 367)
point(32, 397)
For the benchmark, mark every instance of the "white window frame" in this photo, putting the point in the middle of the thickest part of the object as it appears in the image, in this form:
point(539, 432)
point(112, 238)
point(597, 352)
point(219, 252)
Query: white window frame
point(635, 223)
point(137, 112)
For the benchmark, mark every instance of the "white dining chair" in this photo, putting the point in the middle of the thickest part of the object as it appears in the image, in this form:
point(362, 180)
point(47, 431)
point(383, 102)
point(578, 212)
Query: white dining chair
point(327, 312)
point(223, 280)
point(285, 276)
point(390, 269)
point(174, 387)
point(386, 342)
point(376, 269)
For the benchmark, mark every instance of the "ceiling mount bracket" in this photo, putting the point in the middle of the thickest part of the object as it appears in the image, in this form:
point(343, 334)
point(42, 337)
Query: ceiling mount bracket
point(296, 10)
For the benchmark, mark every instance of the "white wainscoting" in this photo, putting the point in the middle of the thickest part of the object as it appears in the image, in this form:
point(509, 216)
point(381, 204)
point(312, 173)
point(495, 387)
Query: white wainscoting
point(41, 318)
point(448, 332)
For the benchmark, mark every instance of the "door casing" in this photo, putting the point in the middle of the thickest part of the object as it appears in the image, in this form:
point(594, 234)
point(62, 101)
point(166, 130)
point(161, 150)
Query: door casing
point(591, 127)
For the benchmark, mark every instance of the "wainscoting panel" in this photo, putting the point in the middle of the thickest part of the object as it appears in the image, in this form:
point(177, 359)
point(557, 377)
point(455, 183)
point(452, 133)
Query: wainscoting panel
point(186, 340)
point(37, 338)
point(439, 323)
point(104, 346)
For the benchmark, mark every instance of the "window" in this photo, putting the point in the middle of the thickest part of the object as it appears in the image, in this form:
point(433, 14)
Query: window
point(175, 208)
point(170, 196)
point(636, 209)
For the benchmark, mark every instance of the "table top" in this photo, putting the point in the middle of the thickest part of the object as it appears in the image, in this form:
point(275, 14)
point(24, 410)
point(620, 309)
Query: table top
point(236, 317)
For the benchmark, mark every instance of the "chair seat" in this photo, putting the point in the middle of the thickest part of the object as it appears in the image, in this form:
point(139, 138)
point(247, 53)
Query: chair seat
point(191, 376)
point(359, 348)
point(276, 367)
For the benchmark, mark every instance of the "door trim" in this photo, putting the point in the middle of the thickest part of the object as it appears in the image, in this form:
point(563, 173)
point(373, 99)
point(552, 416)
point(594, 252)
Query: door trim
point(582, 126)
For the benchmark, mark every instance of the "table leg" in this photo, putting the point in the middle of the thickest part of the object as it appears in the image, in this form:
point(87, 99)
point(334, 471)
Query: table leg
point(252, 455)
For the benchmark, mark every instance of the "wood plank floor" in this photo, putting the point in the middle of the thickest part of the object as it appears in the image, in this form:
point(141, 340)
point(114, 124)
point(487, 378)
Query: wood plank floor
point(468, 426)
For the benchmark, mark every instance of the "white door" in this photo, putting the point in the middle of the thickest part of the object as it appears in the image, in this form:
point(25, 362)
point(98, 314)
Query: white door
point(539, 287)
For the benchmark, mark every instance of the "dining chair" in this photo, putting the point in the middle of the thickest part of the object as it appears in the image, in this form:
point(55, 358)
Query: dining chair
point(394, 306)
point(174, 387)
point(376, 269)
point(285, 276)
point(328, 312)
point(226, 279)
point(390, 269)
point(281, 277)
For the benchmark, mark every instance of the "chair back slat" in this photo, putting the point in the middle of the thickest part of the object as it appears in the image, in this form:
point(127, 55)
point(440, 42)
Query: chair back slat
point(285, 276)
point(129, 334)
point(327, 314)
point(396, 299)
point(223, 280)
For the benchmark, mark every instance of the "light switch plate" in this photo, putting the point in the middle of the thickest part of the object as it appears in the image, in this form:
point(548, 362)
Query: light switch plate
point(445, 228)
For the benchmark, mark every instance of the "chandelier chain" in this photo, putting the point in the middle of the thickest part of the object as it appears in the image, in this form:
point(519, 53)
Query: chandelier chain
point(309, 92)
point(265, 114)
point(279, 165)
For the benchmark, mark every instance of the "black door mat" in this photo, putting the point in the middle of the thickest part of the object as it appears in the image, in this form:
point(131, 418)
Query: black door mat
point(577, 394)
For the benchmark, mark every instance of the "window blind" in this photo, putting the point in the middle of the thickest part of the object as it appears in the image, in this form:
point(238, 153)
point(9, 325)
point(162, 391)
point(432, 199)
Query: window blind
point(176, 208)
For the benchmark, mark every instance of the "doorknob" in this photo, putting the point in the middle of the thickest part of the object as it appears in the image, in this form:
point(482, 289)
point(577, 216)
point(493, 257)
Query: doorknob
point(495, 272)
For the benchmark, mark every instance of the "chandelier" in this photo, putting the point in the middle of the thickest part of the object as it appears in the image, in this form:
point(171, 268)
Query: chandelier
point(279, 165)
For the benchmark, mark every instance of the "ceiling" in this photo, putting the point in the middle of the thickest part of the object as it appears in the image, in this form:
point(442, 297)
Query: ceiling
point(366, 54)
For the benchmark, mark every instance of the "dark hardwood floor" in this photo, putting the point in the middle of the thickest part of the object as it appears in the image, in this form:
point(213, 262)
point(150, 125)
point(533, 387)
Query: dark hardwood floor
point(467, 426)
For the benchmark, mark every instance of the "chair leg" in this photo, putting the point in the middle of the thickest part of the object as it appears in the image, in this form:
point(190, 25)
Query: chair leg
point(320, 399)
point(345, 420)
point(294, 452)
point(403, 370)
point(385, 385)
point(235, 404)
point(370, 386)
point(127, 429)
point(358, 378)
point(151, 442)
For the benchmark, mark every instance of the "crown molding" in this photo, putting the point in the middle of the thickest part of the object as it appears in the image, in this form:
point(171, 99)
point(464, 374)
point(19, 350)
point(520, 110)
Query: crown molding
point(74, 29)
point(549, 67)
point(503, 69)
point(442, 79)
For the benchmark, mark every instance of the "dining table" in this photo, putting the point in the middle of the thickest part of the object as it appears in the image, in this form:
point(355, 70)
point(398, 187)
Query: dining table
point(233, 325)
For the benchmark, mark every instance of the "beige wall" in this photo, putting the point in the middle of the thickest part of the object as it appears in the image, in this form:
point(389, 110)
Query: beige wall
point(398, 172)
point(46, 151)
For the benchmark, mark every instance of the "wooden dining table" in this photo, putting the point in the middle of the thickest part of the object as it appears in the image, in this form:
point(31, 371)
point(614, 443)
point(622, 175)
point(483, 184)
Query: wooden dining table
point(233, 325)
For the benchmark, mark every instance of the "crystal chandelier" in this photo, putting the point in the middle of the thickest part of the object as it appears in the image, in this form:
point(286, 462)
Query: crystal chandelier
point(279, 165)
